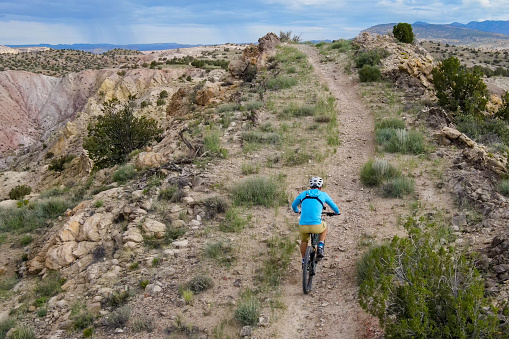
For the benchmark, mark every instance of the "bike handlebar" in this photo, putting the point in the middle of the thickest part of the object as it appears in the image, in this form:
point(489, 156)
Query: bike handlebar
point(330, 214)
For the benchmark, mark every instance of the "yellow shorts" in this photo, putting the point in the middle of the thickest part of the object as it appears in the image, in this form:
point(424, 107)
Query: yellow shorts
point(305, 230)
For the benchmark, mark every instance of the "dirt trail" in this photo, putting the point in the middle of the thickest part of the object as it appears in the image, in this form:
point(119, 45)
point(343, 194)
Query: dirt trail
point(331, 309)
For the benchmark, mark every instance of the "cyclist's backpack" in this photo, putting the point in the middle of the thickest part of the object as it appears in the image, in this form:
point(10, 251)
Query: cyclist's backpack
point(315, 198)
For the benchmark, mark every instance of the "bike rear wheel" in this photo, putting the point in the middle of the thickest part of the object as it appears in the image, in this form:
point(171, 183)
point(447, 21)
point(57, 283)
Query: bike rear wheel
point(308, 270)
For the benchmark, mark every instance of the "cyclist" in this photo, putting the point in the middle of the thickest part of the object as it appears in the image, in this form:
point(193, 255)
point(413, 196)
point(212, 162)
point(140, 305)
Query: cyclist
point(312, 203)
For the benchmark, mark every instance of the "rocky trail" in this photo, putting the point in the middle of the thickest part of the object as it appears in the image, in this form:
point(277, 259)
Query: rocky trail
point(331, 309)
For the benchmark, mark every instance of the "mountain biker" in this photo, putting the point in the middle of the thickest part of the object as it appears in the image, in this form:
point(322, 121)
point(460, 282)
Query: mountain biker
point(312, 203)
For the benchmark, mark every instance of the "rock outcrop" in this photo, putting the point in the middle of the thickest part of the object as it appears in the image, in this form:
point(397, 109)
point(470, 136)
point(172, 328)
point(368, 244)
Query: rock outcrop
point(255, 55)
point(476, 154)
point(405, 63)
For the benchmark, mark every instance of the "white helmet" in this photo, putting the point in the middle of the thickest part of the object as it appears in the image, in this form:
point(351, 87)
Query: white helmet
point(316, 182)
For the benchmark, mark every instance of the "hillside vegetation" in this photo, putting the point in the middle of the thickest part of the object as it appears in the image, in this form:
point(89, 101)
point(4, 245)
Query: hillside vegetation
point(190, 236)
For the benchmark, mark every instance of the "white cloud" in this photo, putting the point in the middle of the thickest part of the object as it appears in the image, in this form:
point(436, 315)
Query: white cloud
point(20, 32)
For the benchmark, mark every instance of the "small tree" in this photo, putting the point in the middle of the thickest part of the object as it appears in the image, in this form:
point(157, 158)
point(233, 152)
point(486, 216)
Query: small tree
point(117, 133)
point(503, 112)
point(403, 32)
point(459, 88)
point(19, 192)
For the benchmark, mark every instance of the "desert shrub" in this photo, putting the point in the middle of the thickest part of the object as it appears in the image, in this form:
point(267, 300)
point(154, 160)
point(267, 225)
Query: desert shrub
point(403, 32)
point(280, 82)
point(26, 239)
point(81, 317)
point(117, 133)
point(220, 251)
point(54, 192)
point(58, 164)
point(486, 130)
point(119, 317)
point(340, 45)
point(261, 137)
point(163, 94)
point(32, 216)
point(397, 187)
point(168, 193)
point(124, 173)
point(116, 299)
point(503, 187)
point(375, 172)
point(6, 325)
point(296, 158)
point(198, 284)
point(458, 88)
point(370, 57)
point(253, 105)
point(248, 309)
point(144, 104)
point(171, 234)
point(369, 73)
point(19, 192)
point(23, 332)
point(188, 296)
point(280, 251)
point(8, 282)
point(248, 169)
point(214, 206)
point(49, 286)
point(160, 102)
point(420, 288)
point(228, 107)
point(233, 221)
point(294, 110)
point(400, 140)
point(259, 191)
point(143, 322)
point(212, 143)
point(391, 123)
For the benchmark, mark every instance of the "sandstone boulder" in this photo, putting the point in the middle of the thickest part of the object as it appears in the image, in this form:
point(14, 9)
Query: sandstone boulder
point(255, 55)
point(154, 228)
point(149, 159)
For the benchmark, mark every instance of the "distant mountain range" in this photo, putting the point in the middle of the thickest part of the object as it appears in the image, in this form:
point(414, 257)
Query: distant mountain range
point(488, 34)
point(101, 48)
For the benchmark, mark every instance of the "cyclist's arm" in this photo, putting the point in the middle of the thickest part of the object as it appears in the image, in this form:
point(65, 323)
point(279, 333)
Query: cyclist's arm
point(330, 202)
point(296, 203)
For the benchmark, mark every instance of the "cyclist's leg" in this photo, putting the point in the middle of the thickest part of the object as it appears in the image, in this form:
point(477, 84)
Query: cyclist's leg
point(323, 235)
point(304, 238)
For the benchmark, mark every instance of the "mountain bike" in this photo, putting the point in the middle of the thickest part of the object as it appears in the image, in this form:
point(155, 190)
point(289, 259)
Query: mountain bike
point(311, 260)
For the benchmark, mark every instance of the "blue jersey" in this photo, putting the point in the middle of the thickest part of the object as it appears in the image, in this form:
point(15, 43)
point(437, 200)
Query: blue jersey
point(312, 206)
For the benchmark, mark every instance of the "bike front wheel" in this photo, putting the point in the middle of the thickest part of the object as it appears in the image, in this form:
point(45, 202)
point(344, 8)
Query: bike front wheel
point(308, 270)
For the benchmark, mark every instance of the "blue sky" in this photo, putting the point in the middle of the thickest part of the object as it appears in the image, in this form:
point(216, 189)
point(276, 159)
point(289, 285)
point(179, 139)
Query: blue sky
point(212, 22)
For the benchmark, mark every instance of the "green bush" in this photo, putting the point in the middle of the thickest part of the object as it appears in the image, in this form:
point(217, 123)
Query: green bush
point(376, 172)
point(23, 332)
point(248, 169)
point(248, 311)
point(81, 317)
point(253, 105)
point(220, 251)
point(6, 325)
point(49, 286)
point(280, 82)
point(420, 288)
point(233, 221)
point(58, 164)
point(19, 192)
point(503, 112)
point(198, 284)
point(214, 206)
point(259, 191)
point(371, 57)
point(486, 130)
point(168, 193)
point(118, 318)
point(229, 107)
point(212, 143)
point(143, 322)
point(400, 140)
point(261, 137)
point(458, 88)
point(280, 252)
point(124, 173)
point(117, 133)
point(163, 94)
point(341, 45)
point(369, 73)
point(403, 32)
point(393, 123)
point(294, 110)
point(32, 216)
point(397, 188)
point(503, 187)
